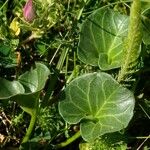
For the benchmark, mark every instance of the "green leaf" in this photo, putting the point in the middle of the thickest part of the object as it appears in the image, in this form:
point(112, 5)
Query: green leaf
point(8, 57)
point(101, 39)
point(41, 48)
point(99, 103)
point(34, 80)
point(146, 27)
point(10, 88)
point(145, 5)
point(28, 102)
point(4, 49)
point(26, 90)
point(101, 144)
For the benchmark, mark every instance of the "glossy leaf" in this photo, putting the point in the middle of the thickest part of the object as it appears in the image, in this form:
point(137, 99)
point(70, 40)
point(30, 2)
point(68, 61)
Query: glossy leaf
point(10, 88)
point(99, 103)
point(34, 80)
point(101, 39)
point(26, 90)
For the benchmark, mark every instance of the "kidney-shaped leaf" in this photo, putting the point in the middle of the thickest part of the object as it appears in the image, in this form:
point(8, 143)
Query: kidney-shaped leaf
point(98, 102)
point(26, 90)
point(33, 82)
point(101, 39)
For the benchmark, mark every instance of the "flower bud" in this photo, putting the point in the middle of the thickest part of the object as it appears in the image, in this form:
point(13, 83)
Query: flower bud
point(28, 11)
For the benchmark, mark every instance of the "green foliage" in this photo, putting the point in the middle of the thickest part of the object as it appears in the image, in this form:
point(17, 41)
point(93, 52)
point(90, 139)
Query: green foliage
point(17, 120)
point(8, 58)
point(108, 40)
point(47, 14)
point(101, 39)
point(50, 122)
point(146, 27)
point(26, 90)
point(102, 145)
point(99, 103)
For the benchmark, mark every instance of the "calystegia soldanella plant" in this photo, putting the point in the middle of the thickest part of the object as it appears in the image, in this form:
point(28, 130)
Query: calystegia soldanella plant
point(74, 74)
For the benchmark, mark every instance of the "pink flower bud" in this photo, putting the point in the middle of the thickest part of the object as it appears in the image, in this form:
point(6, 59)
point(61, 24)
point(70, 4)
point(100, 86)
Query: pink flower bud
point(28, 11)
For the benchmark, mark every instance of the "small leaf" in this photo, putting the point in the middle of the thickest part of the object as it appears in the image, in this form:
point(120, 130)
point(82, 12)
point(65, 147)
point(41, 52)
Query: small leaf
point(4, 49)
point(99, 103)
point(101, 39)
point(41, 48)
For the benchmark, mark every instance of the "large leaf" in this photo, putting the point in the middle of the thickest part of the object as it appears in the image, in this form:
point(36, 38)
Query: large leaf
point(99, 103)
point(26, 90)
point(33, 82)
point(101, 39)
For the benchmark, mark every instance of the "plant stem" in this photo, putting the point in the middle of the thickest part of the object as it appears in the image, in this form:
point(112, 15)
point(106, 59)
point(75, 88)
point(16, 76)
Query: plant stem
point(70, 140)
point(132, 44)
point(30, 128)
point(140, 137)
point(62, 59)
point(3, 5)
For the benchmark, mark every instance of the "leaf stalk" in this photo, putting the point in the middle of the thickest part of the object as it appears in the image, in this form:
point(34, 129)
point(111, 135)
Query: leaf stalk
point(70, 140)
